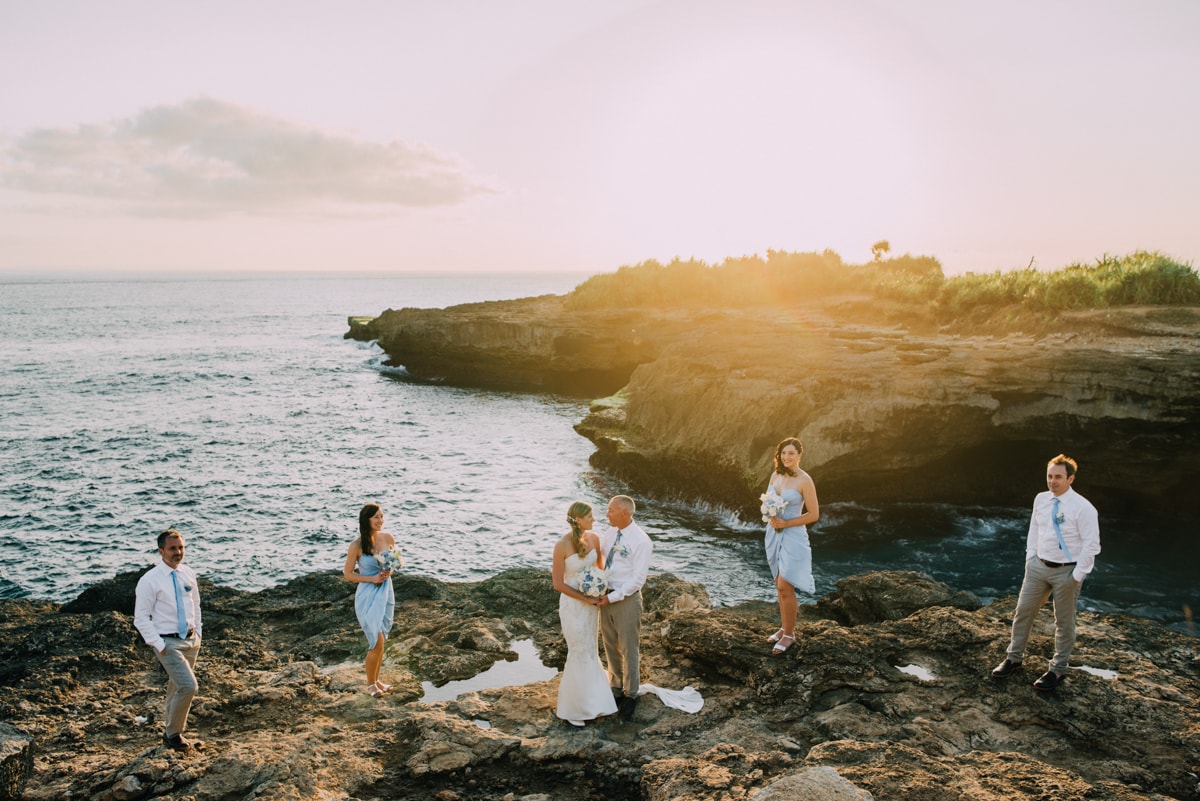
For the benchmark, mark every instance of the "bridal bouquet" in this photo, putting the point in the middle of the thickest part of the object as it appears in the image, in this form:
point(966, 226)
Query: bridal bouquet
point(593, 582)
point(390, 560)
point(772, 504)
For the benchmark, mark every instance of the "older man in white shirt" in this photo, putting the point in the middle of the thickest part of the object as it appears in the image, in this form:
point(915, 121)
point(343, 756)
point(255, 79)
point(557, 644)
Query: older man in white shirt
point(1060, 550)
point(627, 551)
point(167, 614)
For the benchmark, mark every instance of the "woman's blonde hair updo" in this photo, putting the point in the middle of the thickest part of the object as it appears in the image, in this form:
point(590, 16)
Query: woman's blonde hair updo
point(578, 509)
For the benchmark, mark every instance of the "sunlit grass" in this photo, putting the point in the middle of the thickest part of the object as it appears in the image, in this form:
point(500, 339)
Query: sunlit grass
point(910, 285)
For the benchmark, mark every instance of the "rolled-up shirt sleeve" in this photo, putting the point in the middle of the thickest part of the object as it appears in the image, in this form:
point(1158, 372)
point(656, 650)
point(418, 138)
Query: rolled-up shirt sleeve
point(1087, 528)
point(143, 605)
point(195, 596)
point(1031, 541)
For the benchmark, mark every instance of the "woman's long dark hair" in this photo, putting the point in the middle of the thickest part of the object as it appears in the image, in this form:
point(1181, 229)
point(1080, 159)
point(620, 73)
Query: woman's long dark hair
point(779, 467)
point(364, 526)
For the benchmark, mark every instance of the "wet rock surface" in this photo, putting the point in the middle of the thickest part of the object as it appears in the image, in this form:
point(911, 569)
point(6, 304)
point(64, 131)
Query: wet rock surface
point(283, 713)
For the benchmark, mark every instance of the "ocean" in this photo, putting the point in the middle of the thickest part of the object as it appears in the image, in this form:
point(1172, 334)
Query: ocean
point(231, 408)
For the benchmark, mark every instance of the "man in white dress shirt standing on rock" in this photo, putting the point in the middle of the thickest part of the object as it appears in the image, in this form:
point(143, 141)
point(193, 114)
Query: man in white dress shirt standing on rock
point(167, 613)
point(627, 551)
point(1061, 549)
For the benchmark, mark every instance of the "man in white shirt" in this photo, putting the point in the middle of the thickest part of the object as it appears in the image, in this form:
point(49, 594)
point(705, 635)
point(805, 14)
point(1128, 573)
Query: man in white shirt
point(627, 551)
point(1061, 549)
point(167, 613)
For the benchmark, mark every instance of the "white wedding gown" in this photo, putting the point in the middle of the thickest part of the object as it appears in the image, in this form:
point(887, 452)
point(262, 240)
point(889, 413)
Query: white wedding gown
point(583, 691)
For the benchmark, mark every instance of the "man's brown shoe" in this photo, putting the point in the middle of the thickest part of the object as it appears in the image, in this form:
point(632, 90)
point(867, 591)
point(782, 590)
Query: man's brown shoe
point(1048, 681)
point(1006, 669)
point(176, 742)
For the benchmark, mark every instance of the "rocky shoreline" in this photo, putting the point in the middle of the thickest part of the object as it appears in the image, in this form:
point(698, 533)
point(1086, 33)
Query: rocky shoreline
point(688, 403)
point(886, 695)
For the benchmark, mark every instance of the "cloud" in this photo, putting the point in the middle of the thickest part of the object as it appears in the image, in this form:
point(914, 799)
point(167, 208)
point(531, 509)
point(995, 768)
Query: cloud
point(205, 157)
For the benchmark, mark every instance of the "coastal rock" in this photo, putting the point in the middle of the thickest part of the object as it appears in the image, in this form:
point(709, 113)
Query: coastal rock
point(893, 595)
point(527, 344)
point(16, 761)
point(690, 403)
point(885, 694)
point(814, 784)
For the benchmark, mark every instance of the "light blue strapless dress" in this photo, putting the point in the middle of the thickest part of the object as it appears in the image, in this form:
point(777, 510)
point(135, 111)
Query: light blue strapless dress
point(788, 551)
point(374, 604)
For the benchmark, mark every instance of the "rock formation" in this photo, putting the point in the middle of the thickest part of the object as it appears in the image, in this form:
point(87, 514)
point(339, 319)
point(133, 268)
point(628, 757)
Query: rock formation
point(691, 402)
point(886, 695)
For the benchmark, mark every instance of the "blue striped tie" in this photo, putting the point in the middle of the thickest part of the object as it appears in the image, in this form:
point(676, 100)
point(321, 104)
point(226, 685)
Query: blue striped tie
point(611, 551)
point(1058, 531)
point(182, 628)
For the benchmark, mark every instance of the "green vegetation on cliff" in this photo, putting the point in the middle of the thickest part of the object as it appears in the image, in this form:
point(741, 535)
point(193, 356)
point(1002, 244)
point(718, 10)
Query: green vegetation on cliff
point(909, 285)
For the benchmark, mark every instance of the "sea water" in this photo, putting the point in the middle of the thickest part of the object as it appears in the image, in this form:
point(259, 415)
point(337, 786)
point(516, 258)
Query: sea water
point(231, 408)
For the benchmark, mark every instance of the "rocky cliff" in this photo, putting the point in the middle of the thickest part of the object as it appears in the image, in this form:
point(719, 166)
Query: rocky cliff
point(694, 400)
point(885, 695)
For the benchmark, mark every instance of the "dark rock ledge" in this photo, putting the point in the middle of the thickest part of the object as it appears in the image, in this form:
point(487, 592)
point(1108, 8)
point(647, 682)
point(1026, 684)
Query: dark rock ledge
point(690, 402)
point(283, 714)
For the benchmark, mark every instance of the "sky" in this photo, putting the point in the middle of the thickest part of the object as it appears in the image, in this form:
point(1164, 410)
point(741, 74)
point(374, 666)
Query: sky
point(553, 135)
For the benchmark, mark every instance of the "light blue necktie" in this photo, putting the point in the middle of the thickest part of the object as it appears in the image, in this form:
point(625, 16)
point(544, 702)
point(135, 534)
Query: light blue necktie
point(1058, 531)
point(608, 559)
point(182, 628)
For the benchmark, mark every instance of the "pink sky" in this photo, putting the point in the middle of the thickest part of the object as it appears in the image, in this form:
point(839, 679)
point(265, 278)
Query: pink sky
point(556, 135)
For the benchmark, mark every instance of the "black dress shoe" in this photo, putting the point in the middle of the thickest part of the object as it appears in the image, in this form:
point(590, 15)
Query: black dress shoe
point(627, 706)
point(1006, 669)
point(176, 742)
point(1048, 681)
point(618, 694)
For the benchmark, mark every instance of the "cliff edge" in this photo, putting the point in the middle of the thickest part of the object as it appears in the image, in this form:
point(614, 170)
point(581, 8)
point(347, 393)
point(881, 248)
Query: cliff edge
point(689, 403)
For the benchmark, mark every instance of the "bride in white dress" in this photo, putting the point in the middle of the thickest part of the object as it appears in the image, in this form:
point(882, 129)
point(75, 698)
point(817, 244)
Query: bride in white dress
point(583, 691)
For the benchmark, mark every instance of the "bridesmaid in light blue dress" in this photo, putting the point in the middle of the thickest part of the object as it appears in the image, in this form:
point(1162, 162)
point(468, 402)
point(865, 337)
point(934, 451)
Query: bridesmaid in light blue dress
point(786, 539)
point(374, 600)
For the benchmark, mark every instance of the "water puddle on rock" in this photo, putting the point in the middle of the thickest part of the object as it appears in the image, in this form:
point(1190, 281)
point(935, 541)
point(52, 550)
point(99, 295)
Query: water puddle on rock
point(526, 669)
point(1101, 672)
point(916, 670)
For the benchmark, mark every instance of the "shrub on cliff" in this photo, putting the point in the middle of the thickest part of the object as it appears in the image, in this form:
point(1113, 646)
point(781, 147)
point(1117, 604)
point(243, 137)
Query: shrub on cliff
point(913, 283)
point(1141, 278)
point(780, 279)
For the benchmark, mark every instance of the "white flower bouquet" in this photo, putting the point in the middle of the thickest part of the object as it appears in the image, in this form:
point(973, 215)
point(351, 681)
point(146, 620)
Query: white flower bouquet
point(773, 504)
point(390, 560)
point(593, 582)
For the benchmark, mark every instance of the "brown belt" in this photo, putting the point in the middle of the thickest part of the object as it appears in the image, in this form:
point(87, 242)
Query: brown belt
point(1058, 564)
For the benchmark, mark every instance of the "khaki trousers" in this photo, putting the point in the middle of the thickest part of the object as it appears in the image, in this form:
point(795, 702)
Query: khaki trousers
point(620, 628)
point(1039, 584)
point(179, 660)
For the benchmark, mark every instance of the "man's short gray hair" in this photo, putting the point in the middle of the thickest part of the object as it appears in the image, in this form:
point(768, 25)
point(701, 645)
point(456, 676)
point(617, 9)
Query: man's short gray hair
point(627, 502)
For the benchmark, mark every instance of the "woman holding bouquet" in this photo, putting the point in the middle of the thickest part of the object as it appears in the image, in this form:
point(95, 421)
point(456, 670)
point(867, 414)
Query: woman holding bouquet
point(583, 691)
point(789, 505)
point(368, 563)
